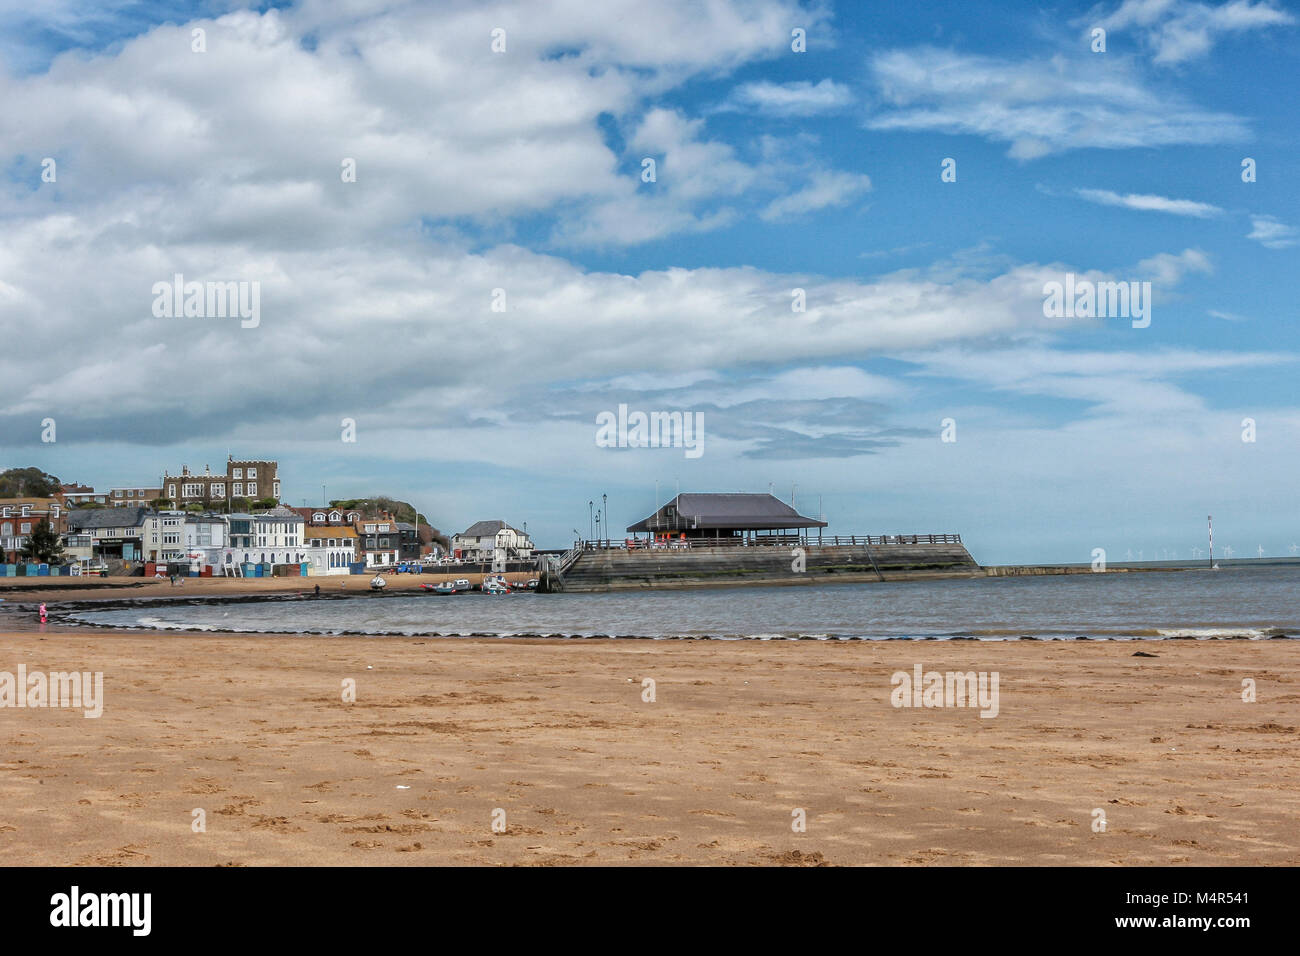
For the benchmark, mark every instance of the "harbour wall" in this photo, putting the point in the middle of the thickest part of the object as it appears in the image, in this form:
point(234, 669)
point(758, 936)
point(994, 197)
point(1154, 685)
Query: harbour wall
point(618, 569)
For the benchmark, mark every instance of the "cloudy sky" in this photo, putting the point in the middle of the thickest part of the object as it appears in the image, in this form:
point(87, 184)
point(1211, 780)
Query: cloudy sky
point(517, 176)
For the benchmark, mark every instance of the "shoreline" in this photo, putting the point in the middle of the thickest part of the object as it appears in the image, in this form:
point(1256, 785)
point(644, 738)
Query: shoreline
point(558, 735)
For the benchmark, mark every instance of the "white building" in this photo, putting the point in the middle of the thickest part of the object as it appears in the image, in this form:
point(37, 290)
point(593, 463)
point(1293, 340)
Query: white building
point(493, 541)
point(163, 536)
point(330, 548)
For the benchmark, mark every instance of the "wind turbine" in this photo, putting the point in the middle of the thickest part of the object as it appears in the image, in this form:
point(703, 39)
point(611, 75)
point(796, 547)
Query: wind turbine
point(1261, 550)
point(1293, 549)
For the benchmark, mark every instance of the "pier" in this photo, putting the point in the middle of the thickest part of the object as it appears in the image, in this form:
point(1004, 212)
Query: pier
point(786, 560)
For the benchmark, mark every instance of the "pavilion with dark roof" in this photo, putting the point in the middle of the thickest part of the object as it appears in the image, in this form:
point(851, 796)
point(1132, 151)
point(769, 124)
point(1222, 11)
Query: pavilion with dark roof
point(725, 518)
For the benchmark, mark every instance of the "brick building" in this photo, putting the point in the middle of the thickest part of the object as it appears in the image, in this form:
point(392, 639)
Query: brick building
point(251, 479)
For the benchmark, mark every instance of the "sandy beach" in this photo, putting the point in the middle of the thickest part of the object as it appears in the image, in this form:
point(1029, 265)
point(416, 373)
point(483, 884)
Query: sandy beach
point(445, 735)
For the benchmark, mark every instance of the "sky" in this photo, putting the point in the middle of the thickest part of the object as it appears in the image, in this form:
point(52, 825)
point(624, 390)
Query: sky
point(459, 245)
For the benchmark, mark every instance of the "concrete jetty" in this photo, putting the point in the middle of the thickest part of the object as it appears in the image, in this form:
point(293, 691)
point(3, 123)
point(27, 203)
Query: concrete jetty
point(866, 558)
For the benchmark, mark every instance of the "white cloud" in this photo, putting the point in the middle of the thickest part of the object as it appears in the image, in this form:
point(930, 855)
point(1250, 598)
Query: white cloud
point(799, 98)
point(825, 188)
point(1150, 203)
point(1167, 268)
point(247, 138)
point(1179, 31)
point(1122, 384)
point(1038, 106)
point(1271, 233)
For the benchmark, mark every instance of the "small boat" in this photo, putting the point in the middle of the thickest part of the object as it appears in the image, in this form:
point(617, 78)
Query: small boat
point(496, 585)
point(445, 587)
point(461, 584)
point(377, 583)
point(532, 584)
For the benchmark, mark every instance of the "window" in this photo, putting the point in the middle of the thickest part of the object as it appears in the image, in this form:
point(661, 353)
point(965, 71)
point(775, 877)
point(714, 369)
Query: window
point(237, 489)
point(117, 493)
point(171, 491)
point(276, 489)
point(252, 487)
point(26, 528)
point(237, 473)
point(219, 489)
point(252, 473)
point(193, 490)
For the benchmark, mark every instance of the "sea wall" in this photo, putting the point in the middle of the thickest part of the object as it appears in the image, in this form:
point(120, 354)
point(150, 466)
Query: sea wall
point(714, 567)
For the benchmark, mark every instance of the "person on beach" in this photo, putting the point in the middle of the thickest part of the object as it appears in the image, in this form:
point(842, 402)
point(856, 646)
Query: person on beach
point(318, 590)
point(43, 619)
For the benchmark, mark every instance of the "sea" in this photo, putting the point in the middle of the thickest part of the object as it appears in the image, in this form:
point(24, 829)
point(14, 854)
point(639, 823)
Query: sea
point(1231, 603)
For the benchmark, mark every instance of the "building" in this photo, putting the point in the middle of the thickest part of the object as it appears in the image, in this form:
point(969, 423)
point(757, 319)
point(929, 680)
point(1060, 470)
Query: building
point(379, 541)
point(328, 516)
point(331, 548)
point(133, 497)
point(103, 533)
point(409, 548)
point(725, 519)
point(493, 541)
point(250, 479)
point(18, 516)
point(163, 539)
point(275, 537)
point(74, 495)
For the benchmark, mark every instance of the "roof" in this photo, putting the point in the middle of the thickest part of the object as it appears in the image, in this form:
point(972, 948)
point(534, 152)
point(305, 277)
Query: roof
point(405, 526)
point(309, 515)
point(762, 512)
point(280, 512)
point(106, 518)
point(487, 529)
point(329, 531)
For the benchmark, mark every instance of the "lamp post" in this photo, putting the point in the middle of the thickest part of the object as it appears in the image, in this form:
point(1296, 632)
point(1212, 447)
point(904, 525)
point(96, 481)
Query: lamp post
point(590, 520)
point(604, 507)
point(597, 528)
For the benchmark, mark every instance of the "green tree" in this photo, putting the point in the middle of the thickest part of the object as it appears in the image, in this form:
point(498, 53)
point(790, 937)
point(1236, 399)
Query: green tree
point(43, 545)
point(28, 483)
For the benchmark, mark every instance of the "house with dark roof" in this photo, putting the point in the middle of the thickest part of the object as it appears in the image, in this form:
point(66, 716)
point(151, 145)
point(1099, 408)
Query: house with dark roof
point(491, 541)
point(728, 518)
point(108, 533)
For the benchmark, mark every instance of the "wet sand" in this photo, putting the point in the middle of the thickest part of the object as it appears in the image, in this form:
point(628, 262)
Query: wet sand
point(35, 590)
point(740, 736)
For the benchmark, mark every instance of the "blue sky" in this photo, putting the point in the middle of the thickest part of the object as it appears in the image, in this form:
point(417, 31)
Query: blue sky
point(520, 170)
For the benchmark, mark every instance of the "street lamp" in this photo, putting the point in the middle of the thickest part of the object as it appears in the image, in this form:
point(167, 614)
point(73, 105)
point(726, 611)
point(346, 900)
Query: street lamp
point(604, 506)
point(590, 520)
